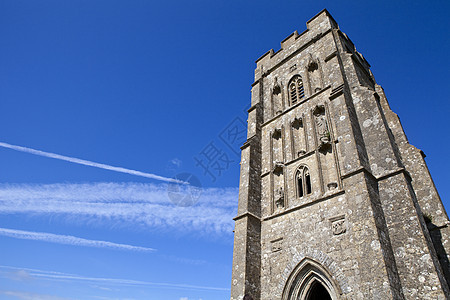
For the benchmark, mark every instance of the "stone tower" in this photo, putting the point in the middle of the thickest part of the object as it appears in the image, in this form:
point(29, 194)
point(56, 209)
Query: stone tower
point(334, 203)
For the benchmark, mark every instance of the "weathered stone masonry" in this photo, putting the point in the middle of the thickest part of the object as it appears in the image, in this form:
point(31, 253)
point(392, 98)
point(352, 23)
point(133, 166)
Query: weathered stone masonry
point(334, 203)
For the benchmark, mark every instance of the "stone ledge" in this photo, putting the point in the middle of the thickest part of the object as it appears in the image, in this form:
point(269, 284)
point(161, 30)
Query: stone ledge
point(379, 178)
point(337, 193)
point(248, 142)
point(330, 56)
point(246, 214)
point(256, 81)
point(337, 91)
point(296, 105)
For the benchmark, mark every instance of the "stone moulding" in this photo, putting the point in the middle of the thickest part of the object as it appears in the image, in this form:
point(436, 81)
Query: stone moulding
point(296, 105)
point(337, 91)
point(314, 201)
point(311, 264)
point(292, 161)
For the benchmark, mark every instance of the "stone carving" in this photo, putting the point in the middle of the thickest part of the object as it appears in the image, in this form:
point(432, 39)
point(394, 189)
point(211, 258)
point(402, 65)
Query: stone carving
point(338, 226)
point(279, 198)
point(277, 245)
point(277, 151)
point(278, 168)
point(312, 64)
point(276, 98)
point(297, 123)
point(322, 129)
point(332, 186)
point(276, 134)
point(314, 75)
point(297, 136)
point(293, 68)
point(276, 87)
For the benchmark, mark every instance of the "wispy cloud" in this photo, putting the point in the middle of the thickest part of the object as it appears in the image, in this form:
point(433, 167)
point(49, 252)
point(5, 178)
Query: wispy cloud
point(183, 260)
point(51, 275)
point(18, 275)
point(176, 162)
point(29, 296)
point(68, 240)
point(87, 162)
point(123, 204)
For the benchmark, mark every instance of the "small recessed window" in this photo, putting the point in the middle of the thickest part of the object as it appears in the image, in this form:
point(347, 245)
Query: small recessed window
point(303, 181)
point(296, 89)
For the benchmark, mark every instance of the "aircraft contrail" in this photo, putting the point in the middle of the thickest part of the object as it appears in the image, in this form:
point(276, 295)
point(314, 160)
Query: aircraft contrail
point(68, 240)
point(52, 275)
point(88, 163)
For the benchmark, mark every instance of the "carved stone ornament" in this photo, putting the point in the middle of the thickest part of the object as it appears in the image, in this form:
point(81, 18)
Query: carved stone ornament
point(276, 134)
point(332, 186)
point(277, 245)
point(279, 198)
point(338, 226)
point(323, 133)
point(278, 168)
point(297, 123)
point(276, 87)
point(312, 64)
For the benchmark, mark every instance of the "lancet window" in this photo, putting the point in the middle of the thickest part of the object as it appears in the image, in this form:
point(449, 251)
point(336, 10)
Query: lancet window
point(296, 89)
point(303, 181)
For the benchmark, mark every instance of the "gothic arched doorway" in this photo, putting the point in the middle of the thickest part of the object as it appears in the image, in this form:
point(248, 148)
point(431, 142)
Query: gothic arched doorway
point(310, 281)
point(318, 292)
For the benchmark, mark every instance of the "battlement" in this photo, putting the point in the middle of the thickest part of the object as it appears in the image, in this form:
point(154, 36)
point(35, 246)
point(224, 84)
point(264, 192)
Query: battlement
point(320, 23)
point(327, 178)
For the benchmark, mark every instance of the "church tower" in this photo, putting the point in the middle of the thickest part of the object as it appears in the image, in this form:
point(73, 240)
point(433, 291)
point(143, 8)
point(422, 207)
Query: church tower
point(334, 203)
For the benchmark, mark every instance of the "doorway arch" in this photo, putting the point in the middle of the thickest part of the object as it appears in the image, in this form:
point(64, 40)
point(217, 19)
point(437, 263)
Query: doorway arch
point(317, 291)
point(310, 281)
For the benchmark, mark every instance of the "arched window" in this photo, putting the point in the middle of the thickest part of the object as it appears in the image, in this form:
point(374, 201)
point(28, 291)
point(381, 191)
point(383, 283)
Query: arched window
point(303, 182)
point(296, 90)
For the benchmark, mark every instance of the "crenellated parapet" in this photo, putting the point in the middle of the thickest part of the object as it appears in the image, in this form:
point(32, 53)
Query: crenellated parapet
point(334, 203)
point(317, 27)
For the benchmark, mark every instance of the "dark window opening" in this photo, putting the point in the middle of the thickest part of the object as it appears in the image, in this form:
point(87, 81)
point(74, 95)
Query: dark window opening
point(303, 181)
point(300, 187)
point(301, 91)
point(308, 184)
point(293, 94)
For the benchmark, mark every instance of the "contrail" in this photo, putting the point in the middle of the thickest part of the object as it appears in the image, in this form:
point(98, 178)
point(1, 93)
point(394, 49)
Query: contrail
point(88, 163)
point(68, 240)
point(52, 275)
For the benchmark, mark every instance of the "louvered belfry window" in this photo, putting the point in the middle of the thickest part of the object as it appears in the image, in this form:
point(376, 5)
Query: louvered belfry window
point(296, 90)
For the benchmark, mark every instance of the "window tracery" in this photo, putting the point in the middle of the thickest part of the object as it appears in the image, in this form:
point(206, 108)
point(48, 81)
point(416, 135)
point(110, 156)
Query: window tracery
point(296, 89)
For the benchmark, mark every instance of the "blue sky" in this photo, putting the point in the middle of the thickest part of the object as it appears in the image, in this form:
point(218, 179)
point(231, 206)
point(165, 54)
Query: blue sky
point(155, 87)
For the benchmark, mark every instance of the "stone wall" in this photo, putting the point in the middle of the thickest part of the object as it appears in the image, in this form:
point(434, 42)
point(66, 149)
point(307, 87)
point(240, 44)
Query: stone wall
point(331, 191)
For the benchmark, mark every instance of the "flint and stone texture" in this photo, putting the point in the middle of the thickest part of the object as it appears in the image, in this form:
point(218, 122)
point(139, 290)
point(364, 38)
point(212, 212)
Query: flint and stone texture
point(334, 203)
